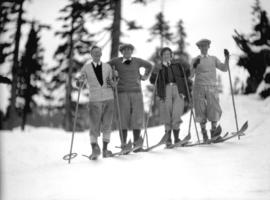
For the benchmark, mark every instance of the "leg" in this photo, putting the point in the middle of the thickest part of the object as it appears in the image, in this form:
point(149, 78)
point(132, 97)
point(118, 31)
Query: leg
point(168, 113)
point(95, 110)
point(125, 107)
point(137, 114)
point(95, 115)
point(213, 107)
point(204, 131)
point(199, 100)
point(177, 111)
point(107, 116)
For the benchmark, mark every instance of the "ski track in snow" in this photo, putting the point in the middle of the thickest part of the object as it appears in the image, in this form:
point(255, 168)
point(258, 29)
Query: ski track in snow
point(32, 167)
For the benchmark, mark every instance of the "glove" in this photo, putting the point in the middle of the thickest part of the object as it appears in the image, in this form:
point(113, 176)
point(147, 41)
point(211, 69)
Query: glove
point(226, 53)
point(111, 83)
point(196, 62)
point(80, 81)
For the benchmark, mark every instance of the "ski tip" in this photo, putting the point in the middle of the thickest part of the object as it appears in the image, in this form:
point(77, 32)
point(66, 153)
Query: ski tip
point(245, 126)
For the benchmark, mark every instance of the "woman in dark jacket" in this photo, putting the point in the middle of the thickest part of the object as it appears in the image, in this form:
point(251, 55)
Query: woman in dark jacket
point(172, 91)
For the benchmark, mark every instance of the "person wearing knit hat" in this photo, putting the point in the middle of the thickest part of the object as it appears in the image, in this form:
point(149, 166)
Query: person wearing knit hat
point(130, 91)
point(205, 91)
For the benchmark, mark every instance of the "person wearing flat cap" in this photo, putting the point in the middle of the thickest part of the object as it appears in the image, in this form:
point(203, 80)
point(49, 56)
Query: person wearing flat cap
point(205, 92)
point(129, 91)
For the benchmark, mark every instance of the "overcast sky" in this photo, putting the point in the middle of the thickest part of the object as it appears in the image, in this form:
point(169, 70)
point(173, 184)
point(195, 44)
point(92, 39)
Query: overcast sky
point(213, 19)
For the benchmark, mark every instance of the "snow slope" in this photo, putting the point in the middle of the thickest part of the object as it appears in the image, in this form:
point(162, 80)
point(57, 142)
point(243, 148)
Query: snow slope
point(32, 167)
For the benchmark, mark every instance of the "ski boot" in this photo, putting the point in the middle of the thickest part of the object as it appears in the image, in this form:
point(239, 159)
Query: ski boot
point(138, 145)
point(169, 140)
point(205, 136)
point(95, 151)
point(176, 136)
point(126, 147)
point(215, 133)
point(106, 153)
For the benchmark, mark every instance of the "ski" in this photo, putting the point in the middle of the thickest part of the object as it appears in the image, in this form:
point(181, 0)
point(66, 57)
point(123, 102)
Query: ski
point(180, 143)
point(233, 134)
point(222, 139)
point(161, 142)
point(124, 151)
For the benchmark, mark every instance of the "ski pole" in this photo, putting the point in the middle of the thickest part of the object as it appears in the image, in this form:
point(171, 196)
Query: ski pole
point(189, 125)
point(190, 100)
point(148, 114)
point(226, 53)
point(73, 155)
point(118, 107)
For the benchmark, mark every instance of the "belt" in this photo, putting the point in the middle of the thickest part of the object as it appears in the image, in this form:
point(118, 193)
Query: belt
point(171, 83)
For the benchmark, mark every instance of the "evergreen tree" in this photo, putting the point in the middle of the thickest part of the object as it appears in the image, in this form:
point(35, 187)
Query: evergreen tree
point(256, 50)
point(17, 10)
point(111, 9)
point(161, 30)
point(29, 75)
point(5, 12)
point(180, 39)
point(76, 41)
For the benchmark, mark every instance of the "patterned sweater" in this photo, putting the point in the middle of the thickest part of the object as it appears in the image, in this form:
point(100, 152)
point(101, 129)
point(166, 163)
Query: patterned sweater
point(205, 72)
point(98, 92)
point(129, 74)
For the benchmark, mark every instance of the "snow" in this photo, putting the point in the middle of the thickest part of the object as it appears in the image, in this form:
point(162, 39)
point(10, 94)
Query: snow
point(32, 167)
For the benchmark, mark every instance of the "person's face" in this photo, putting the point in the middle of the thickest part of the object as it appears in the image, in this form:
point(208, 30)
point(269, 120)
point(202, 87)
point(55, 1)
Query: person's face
point(166, 56)
point(127, 52)
point(204, 48)
point(96, 54)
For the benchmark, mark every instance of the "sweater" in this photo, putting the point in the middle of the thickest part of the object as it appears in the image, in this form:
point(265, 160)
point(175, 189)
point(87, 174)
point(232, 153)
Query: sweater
point(178, 68)
point(98, 92)
point(205, 72)
point(129, 74)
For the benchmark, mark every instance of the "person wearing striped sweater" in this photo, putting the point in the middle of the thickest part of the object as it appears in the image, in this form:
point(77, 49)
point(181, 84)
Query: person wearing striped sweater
point(129, 90)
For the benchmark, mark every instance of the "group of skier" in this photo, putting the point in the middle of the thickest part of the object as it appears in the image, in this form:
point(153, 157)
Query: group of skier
point(120, 79)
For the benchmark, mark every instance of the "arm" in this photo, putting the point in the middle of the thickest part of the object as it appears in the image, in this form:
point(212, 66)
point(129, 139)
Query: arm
point(148, 67)
point(223, 66)
point(185, 69)
point(112, 79)
point(81, 78)
point(154, 74)
point(193, 66)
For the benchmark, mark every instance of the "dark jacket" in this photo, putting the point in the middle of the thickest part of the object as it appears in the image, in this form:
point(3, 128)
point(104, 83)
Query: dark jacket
point(178, 69)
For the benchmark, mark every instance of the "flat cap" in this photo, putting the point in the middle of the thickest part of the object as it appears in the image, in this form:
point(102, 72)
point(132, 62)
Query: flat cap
point(123, 46)
point(203, 41)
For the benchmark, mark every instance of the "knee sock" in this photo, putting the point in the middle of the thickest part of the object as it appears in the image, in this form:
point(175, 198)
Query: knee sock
point(124, 132)
point(136, 134)
point(214, 125)
point(105, 144)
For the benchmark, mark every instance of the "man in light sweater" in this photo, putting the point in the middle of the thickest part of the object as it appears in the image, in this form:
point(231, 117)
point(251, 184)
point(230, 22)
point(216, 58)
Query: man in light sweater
point(205, 93)
point(129, 90)
point(101, 101)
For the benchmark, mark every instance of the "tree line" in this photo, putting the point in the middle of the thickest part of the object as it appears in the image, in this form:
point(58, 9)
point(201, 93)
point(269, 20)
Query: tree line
point(29, 77)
